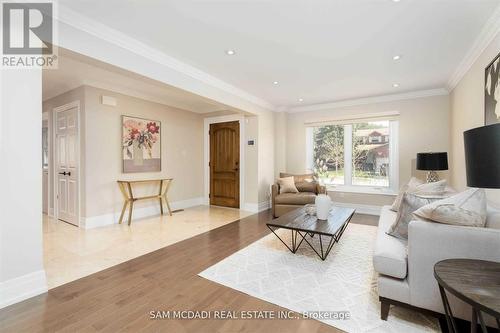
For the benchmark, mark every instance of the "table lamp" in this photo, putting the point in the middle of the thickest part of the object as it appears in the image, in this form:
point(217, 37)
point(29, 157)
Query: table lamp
point(432, 162)
point(482, 156)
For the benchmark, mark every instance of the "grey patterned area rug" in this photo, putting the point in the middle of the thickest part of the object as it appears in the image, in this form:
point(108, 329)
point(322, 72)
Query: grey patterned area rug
point(301, 282)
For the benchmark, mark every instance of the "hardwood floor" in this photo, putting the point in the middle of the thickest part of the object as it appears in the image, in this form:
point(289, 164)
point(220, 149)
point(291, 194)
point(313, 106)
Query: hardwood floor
point(120, 298)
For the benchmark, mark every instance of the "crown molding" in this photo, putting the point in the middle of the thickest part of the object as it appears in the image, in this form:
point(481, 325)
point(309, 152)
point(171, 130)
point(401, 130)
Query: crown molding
point(487, 34)
point(369, 100)
point(113, 36)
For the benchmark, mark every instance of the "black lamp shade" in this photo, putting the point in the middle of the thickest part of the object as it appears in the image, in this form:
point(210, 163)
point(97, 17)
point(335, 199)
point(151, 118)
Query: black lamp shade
point(432, 161)
point(482, 156)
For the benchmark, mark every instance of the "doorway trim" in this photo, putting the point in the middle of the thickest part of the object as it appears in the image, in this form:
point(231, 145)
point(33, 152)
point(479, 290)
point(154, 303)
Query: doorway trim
point(206, 154)
point(53, 182)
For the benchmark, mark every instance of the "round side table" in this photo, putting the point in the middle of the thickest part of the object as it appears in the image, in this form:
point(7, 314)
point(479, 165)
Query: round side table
point(476, 282)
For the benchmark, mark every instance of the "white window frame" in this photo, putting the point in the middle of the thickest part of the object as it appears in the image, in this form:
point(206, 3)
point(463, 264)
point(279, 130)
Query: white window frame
point(348, 186)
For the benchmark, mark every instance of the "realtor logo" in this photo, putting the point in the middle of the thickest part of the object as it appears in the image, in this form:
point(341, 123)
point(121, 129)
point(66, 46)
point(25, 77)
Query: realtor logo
point(28, 29)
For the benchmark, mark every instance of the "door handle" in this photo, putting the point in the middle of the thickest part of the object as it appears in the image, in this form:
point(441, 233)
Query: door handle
point(68, 173)
point(63, 173)
point(235, 169)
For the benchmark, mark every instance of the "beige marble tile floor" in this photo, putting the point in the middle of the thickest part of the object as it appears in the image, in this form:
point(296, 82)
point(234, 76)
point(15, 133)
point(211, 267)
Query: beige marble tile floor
point(71, 253)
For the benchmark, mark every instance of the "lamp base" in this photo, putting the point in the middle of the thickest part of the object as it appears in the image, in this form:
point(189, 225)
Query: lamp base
point(432, 177)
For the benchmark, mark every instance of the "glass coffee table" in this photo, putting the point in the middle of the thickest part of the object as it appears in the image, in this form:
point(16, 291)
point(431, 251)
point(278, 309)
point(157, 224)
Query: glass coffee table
point(301, 225)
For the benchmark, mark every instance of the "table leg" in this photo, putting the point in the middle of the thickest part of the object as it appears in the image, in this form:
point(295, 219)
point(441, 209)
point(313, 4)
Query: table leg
point(160, 196)
point(168, 206)
point(123, 211)
point(473, 322)
point(295, 234)
point(447, 309)
point(481, 321)
point(130, 212)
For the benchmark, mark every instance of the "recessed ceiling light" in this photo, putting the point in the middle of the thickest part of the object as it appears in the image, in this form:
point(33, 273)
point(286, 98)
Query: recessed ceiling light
point(395, 85)
point(275, 82)
point(396, 57)
point(301, 99)
point(396, 0)
point(230, 52)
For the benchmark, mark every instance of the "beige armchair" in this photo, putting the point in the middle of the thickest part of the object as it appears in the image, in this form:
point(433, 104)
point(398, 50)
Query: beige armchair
point(285, 202)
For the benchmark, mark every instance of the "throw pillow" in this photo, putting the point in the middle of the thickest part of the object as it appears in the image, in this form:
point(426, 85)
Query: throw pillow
point(467, 208)
point(287, 185)
point(409, 203)
point(306, 186)
point(416, 186)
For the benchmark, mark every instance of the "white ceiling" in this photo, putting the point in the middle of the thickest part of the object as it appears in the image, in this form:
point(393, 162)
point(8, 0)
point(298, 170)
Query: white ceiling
point(321, 50)
point(75, 70)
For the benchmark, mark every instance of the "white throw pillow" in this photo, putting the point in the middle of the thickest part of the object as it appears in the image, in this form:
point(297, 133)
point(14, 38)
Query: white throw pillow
point(467, 208)
point(416, 186)
point(287, 185)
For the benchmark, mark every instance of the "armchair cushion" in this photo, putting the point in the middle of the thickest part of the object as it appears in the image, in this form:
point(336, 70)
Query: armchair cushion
point(287, 185)
point(307, 186)
point(300, 198)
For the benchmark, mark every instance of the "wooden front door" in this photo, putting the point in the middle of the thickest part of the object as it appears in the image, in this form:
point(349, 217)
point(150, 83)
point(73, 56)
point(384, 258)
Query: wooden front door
point(225, 164)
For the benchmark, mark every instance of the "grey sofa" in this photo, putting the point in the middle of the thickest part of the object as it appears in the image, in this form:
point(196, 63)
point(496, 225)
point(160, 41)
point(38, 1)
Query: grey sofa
point(405, 268)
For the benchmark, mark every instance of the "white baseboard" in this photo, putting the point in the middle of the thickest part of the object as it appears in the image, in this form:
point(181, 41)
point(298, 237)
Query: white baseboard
point(264, 205)
point(23, 287)
point(153, 210)
point(360, 208)
point(256, 208)
point(251, 207)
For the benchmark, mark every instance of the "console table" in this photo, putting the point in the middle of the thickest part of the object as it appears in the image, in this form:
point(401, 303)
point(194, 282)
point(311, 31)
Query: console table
point(128, 195)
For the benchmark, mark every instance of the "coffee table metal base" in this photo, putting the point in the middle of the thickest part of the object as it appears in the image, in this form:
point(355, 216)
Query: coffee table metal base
point(299, 236)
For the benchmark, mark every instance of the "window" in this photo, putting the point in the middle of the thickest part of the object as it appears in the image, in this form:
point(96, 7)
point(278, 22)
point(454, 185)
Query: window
point(359, 154)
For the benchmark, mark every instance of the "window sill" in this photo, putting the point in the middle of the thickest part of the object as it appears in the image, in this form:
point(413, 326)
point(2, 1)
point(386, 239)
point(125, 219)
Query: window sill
point(361, 190)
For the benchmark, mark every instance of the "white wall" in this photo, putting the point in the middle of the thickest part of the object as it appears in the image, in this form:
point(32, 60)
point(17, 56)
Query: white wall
point(467, 111)
point(181, 151)
point(21, 265)
point(251, 163)
point(280, 133)
point(266, 170)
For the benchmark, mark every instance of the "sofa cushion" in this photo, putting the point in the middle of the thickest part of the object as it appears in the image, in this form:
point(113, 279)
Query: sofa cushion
point(300, 198)
point(390, 255)
point(493, 219)
point(409, 204)
point(467, 208)
point(416, 186)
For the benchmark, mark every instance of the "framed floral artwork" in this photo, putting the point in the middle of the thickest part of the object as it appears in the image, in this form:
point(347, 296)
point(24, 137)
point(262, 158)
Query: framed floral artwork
point(141, 145)
point(492, 92)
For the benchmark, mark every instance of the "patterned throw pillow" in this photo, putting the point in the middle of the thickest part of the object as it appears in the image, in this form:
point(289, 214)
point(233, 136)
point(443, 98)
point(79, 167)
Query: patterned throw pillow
point(467, 208)
point(409, 203)
point(416, 186)
point(287, 185)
